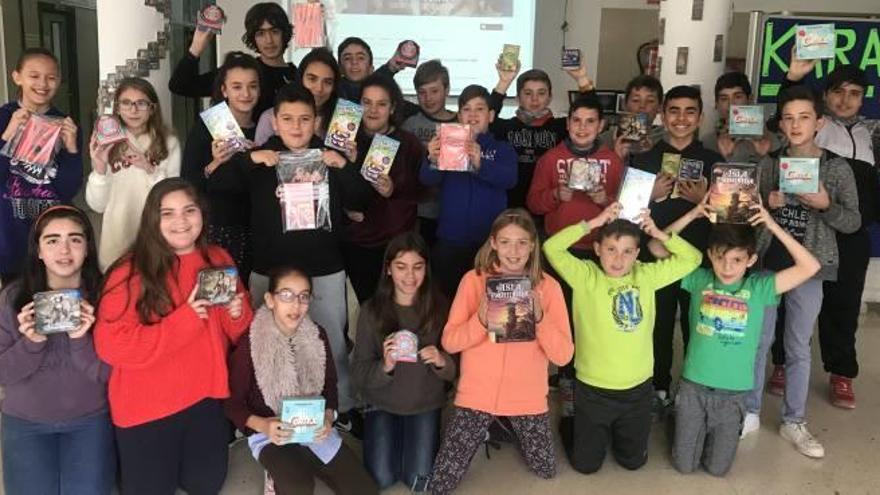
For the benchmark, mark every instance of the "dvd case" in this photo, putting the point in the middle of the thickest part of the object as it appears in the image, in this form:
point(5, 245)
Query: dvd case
point(218, 285)
point(453, 148)
point(510, 313)
point(733, 192)
point(57, 311)
point(344, 124)
point(798, 175)
point(303, 417)
point(407, 347)
point(379, 157)
point(635, 193)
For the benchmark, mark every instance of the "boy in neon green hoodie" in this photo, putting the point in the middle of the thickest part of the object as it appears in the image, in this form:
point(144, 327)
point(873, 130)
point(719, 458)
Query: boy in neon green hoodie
point(614, 311)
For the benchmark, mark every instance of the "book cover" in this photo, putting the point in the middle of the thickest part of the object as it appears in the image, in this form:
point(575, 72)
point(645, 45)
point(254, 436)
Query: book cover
point(57, 311)
point(635, 192)
point(453, 147)
point(571, 58)
point(217, 285)
point(509, 57)
point(108, 130)
point(815, 41)
point(221, 123)
point(305, 190)
point(633, 126)
point(670, 163)
point(407, 347)
point(303, 416)
point(586, 174)
point(510, 312)
point(379, 157)
point(689, 170)
point(798, 175)
point(746, 120)
point(732, 193)
point(344, 124)
point(309, 21)
point(407, 54)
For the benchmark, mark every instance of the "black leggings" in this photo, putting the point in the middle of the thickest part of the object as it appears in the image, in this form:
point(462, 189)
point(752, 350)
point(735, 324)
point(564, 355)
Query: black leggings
point(293, 469)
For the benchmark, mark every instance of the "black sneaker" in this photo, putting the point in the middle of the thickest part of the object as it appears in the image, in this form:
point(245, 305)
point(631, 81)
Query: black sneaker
point(351, 422)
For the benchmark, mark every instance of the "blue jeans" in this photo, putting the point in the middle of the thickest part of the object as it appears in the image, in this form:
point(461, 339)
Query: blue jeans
point(76, 457)
point(400, 448)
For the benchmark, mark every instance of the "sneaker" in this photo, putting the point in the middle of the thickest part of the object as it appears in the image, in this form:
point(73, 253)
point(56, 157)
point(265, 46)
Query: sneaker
point(802, 439)
point(751, 424)
point(842, 394)
point(351, 422)
point(776, 383)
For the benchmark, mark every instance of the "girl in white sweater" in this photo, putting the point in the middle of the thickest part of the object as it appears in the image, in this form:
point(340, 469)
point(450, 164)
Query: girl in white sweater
point(123, 173)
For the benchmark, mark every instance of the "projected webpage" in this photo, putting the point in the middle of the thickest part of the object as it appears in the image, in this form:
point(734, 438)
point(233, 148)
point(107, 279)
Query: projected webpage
point(466, 35)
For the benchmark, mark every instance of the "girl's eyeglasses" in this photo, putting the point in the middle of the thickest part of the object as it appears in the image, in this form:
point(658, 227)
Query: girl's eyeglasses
point(139, 105)
point(289, 296)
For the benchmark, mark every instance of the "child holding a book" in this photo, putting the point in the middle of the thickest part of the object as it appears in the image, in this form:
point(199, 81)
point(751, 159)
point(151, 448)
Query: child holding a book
point(405, 388)
point(168, 349)
point(469, 200)
point(728, 303)
point(206, 160)
point(123, 172)
point(643, 94)
point(675, 193)
point(287, 355)
point(57, 436)
point(614, 308)
point(813, 219)
point(23, 196)
point(504, 379)
point(733, 88)
point(396, 192)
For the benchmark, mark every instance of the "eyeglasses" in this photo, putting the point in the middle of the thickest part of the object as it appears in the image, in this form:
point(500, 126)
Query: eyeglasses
point(140, 105)
point(288, 296)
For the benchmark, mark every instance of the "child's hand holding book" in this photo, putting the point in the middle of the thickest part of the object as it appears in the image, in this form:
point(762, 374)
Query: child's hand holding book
point(649, 227)
point(19, 117)
point(333, 159)
point(609, 214)
point(325, 430)
point(693, 190)
point(86, 320)
point(275, 430)
point(818, 200)
point(662, 187)
point(268, 158)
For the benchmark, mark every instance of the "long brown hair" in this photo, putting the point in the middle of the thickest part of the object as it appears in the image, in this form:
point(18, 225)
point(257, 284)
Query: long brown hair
point(158, 149)
point(151, 258)
point(487, 261)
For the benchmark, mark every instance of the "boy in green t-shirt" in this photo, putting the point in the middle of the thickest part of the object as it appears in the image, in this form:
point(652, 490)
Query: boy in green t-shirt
point(613, 305)
point(726, 319)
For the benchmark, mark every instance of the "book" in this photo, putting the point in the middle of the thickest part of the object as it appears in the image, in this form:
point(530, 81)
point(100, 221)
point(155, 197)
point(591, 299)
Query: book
point(798, 175)
point(217, 285)
point(670, 163)
point(571, 58)
point(407, 54)
point(510, 312)
point(303, 417)
point(57, 311)
point(305, 190)
point(509, 57)
point(635, 193)
point(309, 21)
point(344, 124)
point(733, 192)
point(407, 347)
point(379, 157)
point(453, 147)
point(108, 130)
point(586, 174)
point(746, 120)
point(689, 170)
point(815, 41)
point(211, 19)
point(633, 126)
point(222, 125)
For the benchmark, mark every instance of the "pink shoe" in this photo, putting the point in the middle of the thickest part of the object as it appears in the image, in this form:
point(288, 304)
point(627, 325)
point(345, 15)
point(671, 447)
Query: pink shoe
point(842, 394)
point(776, 383)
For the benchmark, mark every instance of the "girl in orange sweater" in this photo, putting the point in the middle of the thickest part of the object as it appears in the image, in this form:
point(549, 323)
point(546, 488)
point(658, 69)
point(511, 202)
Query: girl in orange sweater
point(503, 379)
point(168, 350)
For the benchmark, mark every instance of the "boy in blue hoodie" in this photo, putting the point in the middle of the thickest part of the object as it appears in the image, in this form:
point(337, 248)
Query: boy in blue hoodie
point(469, 201)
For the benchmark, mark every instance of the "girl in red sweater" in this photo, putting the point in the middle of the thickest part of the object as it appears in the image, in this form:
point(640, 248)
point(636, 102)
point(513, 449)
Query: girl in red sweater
point(168, 350)
point(503, 379)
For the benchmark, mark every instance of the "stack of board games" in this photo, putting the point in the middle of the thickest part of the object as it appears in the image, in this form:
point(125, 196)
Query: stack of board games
point(453, 148)
point(635, 193)
point(305, 190)
point(309, 21)
point(509, 57)
point(510, 312)
point(633, 126)
point(379, 157)
point(303, 417)
point(223, 126)
point(218, 285)
point(57, 311)
point(798, 175)
point(815, 41)
point(108, 130)
point(211, 19)
point(733, 192)
point(746, 120)
point(571, 58)
point(689, 170)
point(407, 54)
point(406, 344)
point(586, 174)
point(344, 124)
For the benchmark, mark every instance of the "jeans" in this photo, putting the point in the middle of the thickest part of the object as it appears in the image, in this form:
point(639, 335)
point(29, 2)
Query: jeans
point(400, 448)
point(76, 457)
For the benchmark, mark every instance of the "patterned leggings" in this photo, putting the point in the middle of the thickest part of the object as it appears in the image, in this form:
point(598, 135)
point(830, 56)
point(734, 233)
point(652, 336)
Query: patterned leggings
point(465, 433)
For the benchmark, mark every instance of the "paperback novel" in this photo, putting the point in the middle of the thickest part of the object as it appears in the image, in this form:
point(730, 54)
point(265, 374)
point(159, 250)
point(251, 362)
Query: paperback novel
point(344, 124)
point(635, 193)
point(746, 120)
point(798, 175)
point(379, 157)
point(217, 285)
point(633, 126)
point(222, 125)
point(57, 311)
point(510, 312)
point(453, 148)
point(733, 192)
point(303, 417)
point(815, 41)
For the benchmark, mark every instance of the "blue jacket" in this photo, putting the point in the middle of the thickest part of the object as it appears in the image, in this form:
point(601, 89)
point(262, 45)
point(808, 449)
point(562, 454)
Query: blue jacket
point(469, 202)
point(21, 201)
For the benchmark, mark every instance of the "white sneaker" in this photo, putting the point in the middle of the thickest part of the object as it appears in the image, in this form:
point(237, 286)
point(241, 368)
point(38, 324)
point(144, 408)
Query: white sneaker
point(802, 439)
point(751, 423)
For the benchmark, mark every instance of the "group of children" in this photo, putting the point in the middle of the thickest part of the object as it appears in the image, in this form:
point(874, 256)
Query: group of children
point(156, 374)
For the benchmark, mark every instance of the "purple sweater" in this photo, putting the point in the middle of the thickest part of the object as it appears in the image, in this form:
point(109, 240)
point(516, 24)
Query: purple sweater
point(58, 380)
point(22, 201)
